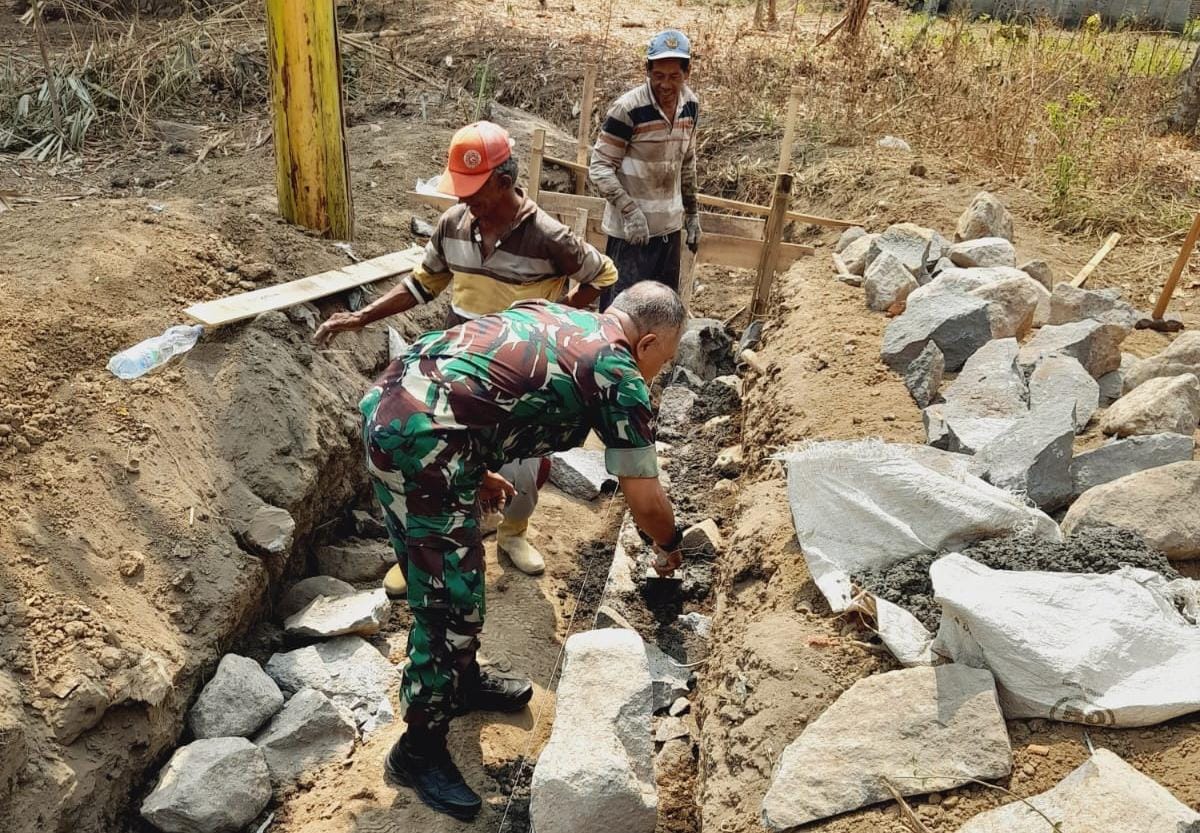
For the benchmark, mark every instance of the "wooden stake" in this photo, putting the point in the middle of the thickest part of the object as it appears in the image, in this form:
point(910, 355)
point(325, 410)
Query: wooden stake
point(582, 141)
point(687, 276)
point(1099, 256)
point(40, 34)
point(770, 246)
point(789, 132)
point(312, 171)
point(1185, 253)
point(535, 163)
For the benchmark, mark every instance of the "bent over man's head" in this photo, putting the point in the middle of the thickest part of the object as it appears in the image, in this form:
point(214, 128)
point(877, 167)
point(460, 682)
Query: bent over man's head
point(656, 315)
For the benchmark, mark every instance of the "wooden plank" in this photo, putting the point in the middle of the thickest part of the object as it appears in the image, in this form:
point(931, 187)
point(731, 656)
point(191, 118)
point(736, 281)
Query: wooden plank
point(789, 131)
point(535, 162)
point(579, 226)
point(582, 140)
point(768, 259)
point(248, 304)
point(748, 227)
point(574, 167)
point(558, 203)
point(312, 170)
point(763, 211)
point(1087, 270)
point(1189, 243)
point(740, 253)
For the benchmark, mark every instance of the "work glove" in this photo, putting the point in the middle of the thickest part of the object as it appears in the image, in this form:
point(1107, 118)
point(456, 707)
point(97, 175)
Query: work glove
point(691, 228)
point(637, 231)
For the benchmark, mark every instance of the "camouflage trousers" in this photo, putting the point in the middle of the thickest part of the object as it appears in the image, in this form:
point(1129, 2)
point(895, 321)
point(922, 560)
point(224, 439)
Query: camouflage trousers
point(426, 479)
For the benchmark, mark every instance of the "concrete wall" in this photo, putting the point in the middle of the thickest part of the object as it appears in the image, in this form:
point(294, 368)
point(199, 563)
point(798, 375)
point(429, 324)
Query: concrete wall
point(1172, 14)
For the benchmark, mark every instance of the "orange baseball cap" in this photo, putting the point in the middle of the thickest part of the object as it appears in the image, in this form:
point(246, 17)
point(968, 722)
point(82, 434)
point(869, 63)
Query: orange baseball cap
point(475, 151)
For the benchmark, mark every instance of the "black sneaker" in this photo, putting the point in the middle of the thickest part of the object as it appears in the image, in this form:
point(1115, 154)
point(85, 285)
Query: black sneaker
point(489, 692)
point(431, 772)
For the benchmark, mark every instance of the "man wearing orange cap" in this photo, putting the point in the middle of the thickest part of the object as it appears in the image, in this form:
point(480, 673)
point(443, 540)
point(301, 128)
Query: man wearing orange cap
point(495, 248)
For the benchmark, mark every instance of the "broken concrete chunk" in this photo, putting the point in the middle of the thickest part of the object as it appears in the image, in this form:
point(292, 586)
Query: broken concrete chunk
point(1169, 404)
point(217, 785)
point(1040, 271)
point(325, 616)
point(1182, 356)
point(1121, 458)
point(670, 679)
point(848, 236)
point(942, 722)
point(671, 727)
point(1012, 305)
point(907, 243)
point(923, 377)
point(310, 732)
point(596, 773)
point(1159, 504)
point(958, 324)
point(356, 560)
point(983, 251)
point(300, 594)
point(986, 216)
point(888, 282)
point(1103, 794)
point(855, 254)
point(581, 473)
point(348, 670)
point(269, 531)
point(1033, 456)
point(1062, 379)
point(239, 699)
point(1069, 303)
point(1096, 345)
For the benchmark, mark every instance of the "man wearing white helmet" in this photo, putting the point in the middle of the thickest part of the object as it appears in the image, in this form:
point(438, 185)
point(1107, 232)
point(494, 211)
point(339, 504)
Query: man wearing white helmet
point(644, 165)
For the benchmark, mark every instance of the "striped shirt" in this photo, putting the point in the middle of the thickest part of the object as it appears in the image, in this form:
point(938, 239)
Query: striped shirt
point(534, 259)
point(641, 158)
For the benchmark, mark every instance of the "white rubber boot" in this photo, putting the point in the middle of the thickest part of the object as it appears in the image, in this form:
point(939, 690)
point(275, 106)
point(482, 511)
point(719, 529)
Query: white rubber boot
point(510, 538)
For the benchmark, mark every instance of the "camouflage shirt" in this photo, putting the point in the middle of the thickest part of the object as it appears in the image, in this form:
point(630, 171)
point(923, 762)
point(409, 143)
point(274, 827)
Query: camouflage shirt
point(523, 383)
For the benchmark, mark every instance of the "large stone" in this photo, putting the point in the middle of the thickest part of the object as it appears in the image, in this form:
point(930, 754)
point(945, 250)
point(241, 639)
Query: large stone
point(669, 678)
point(888, 282)
point(989, 394)
point(1121, 458)
point(906, 242)
point(238, 699)
point(581, 473)
point(958, 324)
point(855, 254)
point(1040, 271)
point(1159, 504)
point(983, 251)
point(923, 377)
point(1169, 404)
point(920, 729)
point(1033, 456)
point(300, 594)
point(596, 773)
point(705, 348)
point(348, 670)
point(356, 560)
point(957, 279)
point(1062, 379)
point(1012, 304)
point(217, 785)
point(985, 217)
point(1096, 345)
point(310, 732)
point(269, 531)
point(1069, 303)
point(675, 411)
point(325, 616)
point(848, 236)
point(1182, 356)
point(1103, 795)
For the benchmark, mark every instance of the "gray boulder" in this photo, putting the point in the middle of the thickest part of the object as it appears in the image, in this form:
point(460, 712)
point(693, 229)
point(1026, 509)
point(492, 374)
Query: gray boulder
point(1063, 380)
point(300, 594)
point(668, 678)
point(986, 216)
point(849, 236)
point(1033, 456)
point(957, 279)
point(346, 669)
point(581, 473)
point(705, 348)
point(1159, 504)
point(1121, 458)
point(238, 699)
point(1012, 305)
point(923, 377)
point(1170, 404)
point(356, 560)
point(217, 785)
point(855, 254)
point(269, 531)
point(988, 395)
point(1068, 303)
point(675, 411)
point(596, 773)
point(310, 732)
point(944, 722)
point(958, 324)
point(1096, 345)
point(1182, 356)
point(362, 612)
point(1040, 271)
point(983, 251)
point(906, 242)
point(887, 283)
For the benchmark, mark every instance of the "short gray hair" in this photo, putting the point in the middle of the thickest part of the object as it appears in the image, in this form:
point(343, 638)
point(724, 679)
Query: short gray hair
point(654, 307)
point(508, 168)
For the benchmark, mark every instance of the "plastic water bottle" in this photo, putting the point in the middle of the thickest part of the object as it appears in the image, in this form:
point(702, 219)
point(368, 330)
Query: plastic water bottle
point(144, 356)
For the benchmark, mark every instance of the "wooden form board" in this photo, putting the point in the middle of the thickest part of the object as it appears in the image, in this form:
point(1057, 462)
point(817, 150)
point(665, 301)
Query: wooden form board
point(248, 304)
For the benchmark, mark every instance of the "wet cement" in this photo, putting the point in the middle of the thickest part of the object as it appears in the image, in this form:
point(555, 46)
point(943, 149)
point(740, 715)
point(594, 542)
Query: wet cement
point(1098, 551)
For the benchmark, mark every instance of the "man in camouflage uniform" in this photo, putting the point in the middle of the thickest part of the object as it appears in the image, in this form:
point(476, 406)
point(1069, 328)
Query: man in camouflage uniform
point(441, 420)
